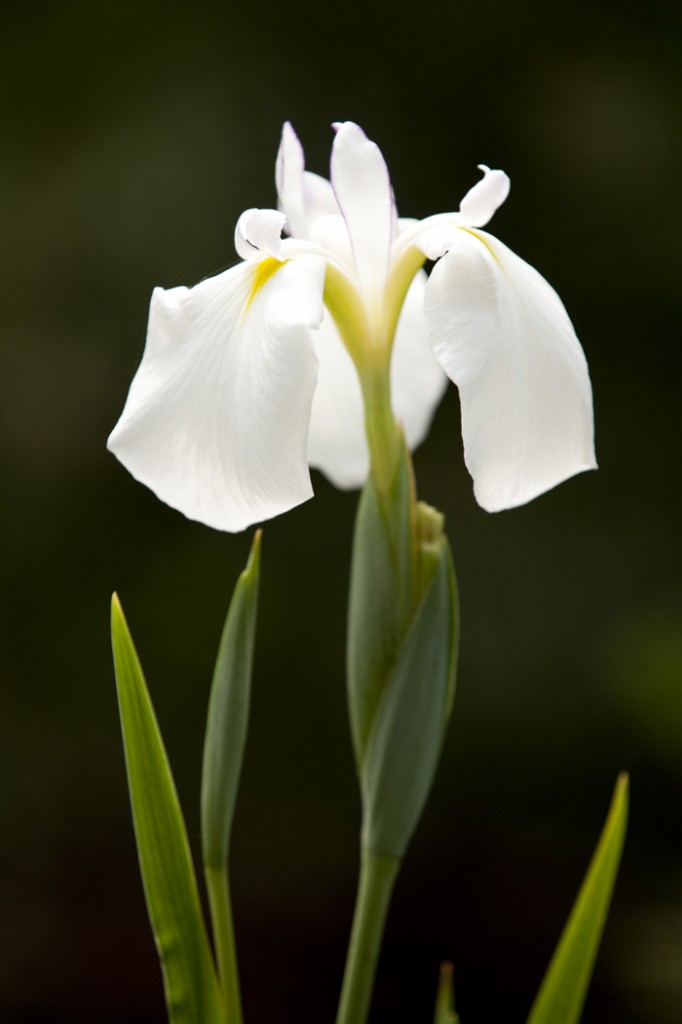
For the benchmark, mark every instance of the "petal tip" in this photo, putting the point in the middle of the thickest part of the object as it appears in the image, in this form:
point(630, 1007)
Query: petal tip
point(486, 196)
point(495, 498)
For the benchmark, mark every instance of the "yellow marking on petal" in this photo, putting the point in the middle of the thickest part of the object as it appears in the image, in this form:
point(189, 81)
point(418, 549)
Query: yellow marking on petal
point(263, 271)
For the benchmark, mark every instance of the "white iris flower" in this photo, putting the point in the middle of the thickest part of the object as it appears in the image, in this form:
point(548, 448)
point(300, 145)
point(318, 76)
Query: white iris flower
point(291, 358)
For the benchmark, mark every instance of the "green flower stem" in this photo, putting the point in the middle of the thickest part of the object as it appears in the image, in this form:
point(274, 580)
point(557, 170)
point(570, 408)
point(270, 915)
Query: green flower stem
point(383, 434)
point(223, 934)
point(377, 877)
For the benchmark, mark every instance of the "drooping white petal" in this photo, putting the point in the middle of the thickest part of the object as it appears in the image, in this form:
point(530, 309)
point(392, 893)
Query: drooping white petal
point(259, 233)
point(503, 336)
point(363, 189)
point(289, 171)
point(337, 443)
point(216, 421)
point(417, 381)
point(481, 201)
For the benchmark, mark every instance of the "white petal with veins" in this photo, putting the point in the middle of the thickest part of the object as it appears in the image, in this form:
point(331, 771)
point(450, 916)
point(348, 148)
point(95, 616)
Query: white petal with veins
point(503, 336)
point(216, 421)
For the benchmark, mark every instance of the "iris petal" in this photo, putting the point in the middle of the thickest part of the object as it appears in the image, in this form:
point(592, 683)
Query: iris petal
point(289, 171)
point(502, 335)
point(486, 196)
point(258, 233)
point(216, 420)
point(319, 197)
point(363, 189)
point(303, 196)
point(336, 441)
point(417, 381)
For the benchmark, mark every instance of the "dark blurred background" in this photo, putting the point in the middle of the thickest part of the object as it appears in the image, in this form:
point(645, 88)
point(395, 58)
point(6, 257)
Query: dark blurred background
point(134, 134)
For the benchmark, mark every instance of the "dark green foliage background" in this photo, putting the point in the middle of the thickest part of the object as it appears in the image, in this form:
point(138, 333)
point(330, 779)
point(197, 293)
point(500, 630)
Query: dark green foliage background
point(133, 136)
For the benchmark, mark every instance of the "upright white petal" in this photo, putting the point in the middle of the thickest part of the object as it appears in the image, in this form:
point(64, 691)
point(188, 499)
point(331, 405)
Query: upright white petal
point(503, 336)
point(330, 233)
point(487, 195)
point(303, 196)
point(363, 189)
point(289, 171)
point(216, 421)
point(319, 197)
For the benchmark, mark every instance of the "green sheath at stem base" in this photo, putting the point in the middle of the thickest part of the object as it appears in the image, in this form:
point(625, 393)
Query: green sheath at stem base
point(377, 877)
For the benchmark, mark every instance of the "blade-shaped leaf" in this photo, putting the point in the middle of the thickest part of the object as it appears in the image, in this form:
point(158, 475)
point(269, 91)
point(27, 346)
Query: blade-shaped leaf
point(228, 715)
point(562, 994)
point(226, 728)
point(192, 994)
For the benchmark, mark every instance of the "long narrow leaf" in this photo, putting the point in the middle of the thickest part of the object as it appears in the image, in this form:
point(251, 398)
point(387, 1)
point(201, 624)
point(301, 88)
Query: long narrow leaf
point(226, 728)
point(228, 715)
point(192, 993)
point(562, 994)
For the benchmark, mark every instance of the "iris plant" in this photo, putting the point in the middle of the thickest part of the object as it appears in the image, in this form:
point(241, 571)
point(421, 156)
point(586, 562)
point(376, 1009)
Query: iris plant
point(329, 346)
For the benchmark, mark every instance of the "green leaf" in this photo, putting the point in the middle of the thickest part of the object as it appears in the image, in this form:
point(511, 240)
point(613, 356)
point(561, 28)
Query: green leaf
point(226, 728)
point(562, 994)
point(381, 596)
point(405, 743)
point(192, 993)
point(228, 715)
